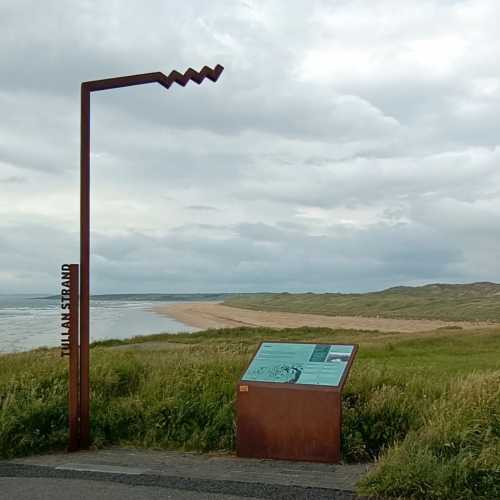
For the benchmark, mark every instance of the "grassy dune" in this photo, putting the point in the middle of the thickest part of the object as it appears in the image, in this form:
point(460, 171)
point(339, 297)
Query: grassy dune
point(469, 302)
point(426, 406)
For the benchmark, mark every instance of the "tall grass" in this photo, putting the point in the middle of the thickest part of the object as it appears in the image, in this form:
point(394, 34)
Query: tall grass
point(426, 407)
point(454, 453)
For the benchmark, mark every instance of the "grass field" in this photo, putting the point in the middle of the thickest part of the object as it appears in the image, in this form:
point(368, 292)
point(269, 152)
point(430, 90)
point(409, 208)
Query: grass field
point(469, 302)
point(425, 406)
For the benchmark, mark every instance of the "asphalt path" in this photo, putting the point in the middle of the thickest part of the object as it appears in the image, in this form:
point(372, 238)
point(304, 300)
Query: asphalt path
point(31, 482)
point(126, 473)
point(16, 488)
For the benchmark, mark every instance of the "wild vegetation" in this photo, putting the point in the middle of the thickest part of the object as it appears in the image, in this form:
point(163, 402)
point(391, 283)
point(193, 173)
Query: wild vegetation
point(426, 407)
point(468, 302)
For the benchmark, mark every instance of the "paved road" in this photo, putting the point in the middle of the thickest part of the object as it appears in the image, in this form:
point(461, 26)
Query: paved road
point(16, 488)
point(123, 474)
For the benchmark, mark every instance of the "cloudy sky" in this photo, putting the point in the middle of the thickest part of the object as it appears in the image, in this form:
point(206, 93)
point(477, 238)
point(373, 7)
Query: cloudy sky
point(348, 145)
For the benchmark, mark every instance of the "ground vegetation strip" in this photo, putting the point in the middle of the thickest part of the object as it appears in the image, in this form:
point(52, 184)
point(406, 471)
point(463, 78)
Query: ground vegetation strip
point(425, 406)
point(467, 302)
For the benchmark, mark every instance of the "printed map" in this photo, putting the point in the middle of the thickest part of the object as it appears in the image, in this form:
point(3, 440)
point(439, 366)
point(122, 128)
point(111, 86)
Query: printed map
point(314, 364)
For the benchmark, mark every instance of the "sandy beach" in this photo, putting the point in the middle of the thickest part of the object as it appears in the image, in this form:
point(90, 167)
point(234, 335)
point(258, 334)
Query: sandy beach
point(217, 315)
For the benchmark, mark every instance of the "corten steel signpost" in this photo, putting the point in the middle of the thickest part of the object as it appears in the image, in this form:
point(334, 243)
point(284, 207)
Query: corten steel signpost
point(86, 89)
point(69, 346)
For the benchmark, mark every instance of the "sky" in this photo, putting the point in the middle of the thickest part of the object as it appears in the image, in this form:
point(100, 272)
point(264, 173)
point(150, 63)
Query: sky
point(348, 145)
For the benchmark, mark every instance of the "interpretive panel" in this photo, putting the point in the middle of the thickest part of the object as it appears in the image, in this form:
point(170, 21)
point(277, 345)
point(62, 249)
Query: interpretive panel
point(294, 363)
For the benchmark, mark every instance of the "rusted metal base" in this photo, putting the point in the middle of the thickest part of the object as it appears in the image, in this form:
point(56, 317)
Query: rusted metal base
point(288, 422)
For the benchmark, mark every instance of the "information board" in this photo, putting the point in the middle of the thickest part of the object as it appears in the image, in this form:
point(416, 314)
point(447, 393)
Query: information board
point(294, 363)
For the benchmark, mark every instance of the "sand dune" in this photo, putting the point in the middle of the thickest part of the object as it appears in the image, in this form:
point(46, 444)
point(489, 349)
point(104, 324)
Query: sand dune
point(216, 315)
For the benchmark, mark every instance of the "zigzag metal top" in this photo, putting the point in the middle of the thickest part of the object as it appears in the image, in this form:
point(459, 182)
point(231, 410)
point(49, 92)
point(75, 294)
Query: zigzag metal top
point(158, 77)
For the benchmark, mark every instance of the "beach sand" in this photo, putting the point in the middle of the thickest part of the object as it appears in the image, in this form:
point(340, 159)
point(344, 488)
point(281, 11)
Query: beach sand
point(216, 315)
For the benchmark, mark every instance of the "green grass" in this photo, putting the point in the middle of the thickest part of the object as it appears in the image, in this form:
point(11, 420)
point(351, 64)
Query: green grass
point(425, 406)
point(472, 302)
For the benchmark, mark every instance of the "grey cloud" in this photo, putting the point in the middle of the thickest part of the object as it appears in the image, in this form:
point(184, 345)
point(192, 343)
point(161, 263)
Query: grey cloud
point(276, 258)
point(31, 256)
point(329, 156)
point(202, 208)
point(467, 176)
point(14, 179)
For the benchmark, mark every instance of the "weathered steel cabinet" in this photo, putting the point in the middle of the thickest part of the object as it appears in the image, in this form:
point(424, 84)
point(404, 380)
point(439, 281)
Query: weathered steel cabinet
point(291, 420)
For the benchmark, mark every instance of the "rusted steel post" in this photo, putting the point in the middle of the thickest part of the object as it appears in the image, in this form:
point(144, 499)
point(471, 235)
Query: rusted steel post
point(182, 79)
point(69, 347)
point(74, 379)
point(84, 266)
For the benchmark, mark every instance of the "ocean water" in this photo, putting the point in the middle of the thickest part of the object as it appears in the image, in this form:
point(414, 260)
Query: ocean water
point(28, 322)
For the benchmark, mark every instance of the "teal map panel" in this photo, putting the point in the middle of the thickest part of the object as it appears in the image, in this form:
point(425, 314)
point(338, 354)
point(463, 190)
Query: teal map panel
point(315, 364)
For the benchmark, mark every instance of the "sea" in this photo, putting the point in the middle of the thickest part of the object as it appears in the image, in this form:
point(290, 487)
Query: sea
point(30, 321)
